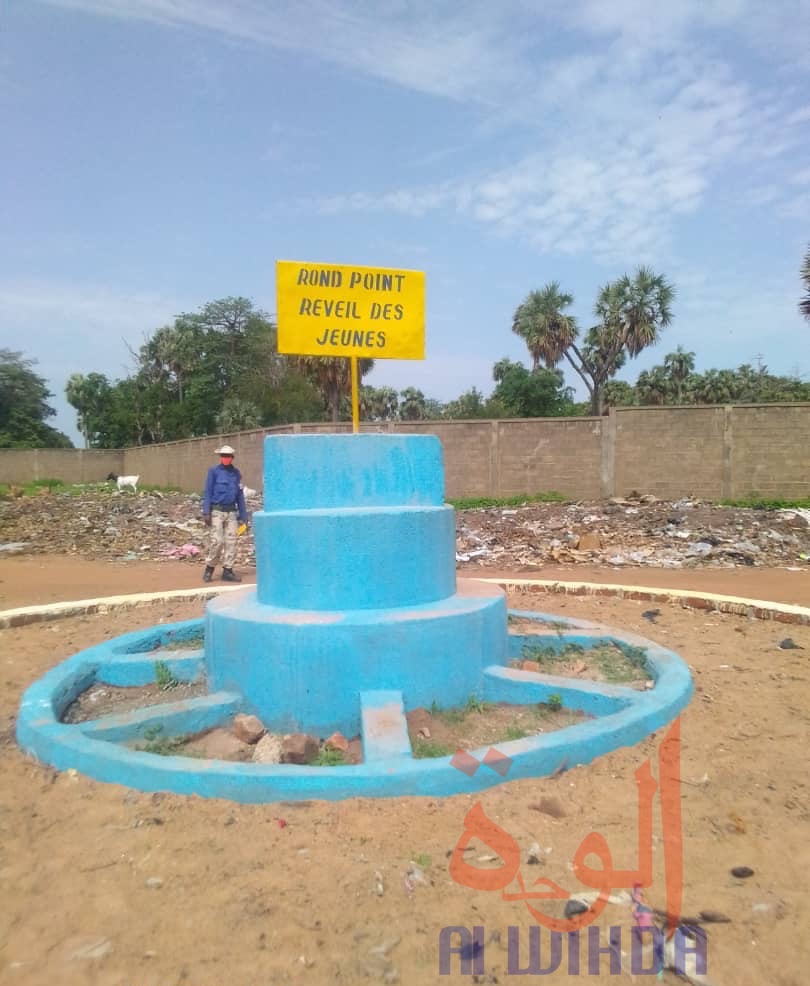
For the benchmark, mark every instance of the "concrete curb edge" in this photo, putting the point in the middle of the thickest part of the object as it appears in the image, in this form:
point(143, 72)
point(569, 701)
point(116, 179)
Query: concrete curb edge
point(759, 609)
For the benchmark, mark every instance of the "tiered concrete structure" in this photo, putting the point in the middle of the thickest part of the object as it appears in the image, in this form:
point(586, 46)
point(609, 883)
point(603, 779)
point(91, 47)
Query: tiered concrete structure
point(356, 588)
point(356, 618)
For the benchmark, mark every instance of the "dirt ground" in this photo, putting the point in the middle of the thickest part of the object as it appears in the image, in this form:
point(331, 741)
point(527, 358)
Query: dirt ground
point(30, 579)
point(104, 885)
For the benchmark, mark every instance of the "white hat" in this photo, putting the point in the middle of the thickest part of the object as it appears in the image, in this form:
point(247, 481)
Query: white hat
point(225, 450)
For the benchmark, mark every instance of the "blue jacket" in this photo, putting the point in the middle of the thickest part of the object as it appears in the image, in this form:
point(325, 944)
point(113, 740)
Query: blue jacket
point(222, 489)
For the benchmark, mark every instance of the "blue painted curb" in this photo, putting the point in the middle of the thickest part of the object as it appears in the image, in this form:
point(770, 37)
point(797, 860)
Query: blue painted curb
point(625, 716)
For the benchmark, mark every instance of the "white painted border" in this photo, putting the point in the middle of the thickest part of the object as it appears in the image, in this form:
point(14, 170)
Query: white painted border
point(759, 609)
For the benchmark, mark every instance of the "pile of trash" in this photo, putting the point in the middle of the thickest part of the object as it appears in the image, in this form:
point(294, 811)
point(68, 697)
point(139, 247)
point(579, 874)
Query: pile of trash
point(634, 531)
point(98, 522)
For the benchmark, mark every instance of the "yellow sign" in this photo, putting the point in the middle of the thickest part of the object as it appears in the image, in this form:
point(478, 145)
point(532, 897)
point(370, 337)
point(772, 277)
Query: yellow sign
point(338, 310)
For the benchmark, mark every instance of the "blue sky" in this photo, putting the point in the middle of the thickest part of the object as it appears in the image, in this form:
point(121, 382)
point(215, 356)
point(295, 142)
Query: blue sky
point(159, 154)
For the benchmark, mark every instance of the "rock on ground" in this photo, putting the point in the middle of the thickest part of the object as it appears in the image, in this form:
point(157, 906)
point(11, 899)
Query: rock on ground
point(299, 748)
point(268, 749)
point(249, 729)
point(220, 744)
point(337, 741)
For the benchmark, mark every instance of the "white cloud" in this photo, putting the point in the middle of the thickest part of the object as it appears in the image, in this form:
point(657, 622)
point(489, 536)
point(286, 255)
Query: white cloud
point(601, 187)
point(96, 327)
point(626, 112)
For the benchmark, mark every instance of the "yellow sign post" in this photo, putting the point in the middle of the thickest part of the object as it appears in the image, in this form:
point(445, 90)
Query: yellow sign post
point(340, 310)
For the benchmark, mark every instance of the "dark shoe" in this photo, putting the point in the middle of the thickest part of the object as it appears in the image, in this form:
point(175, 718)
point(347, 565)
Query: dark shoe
point(228, 575)
point(208, 573)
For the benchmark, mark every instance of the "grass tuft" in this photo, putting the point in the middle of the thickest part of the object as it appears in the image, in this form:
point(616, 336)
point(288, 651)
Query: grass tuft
point(480, 502)
point(755, 502)
point(164, 677)
point(425, 749)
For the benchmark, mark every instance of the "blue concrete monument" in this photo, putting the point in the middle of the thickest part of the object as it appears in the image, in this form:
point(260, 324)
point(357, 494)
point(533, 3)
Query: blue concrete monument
point(356, 618)
point(356, 588)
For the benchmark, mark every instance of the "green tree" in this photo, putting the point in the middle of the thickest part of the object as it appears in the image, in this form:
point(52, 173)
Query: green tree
point(544, 326)
point(536, 393)
point(434, 409)
point(226, 351)
point(331, 376)
point(379, 403)
point(91, 395)
point(292, 398)
point(631, 313)
point(472, 404)
point(679, 367)
point(619, 393)
point(24, 406)
point(189, 368)
point(716, 387)
point(412, 406)
point(237, 414)
point(653, 386)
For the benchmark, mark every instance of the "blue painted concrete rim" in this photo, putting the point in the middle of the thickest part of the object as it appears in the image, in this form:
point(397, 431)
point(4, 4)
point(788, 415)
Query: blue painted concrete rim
point(64, 746)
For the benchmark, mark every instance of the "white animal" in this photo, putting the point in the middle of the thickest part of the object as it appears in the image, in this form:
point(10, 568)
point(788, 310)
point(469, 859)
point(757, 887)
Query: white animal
point(249, 493)
point(122, 481)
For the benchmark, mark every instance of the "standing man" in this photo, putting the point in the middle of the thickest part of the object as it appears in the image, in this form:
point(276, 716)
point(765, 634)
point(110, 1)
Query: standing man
point(223, 507)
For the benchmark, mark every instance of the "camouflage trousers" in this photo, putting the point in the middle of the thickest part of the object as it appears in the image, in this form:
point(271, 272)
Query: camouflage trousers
point(223, 539)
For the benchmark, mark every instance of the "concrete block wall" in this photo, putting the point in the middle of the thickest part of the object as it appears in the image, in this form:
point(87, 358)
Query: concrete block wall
point(770, 450)
point(669, 451)
point(69, 465)
point(562, 455)
point(715, 452)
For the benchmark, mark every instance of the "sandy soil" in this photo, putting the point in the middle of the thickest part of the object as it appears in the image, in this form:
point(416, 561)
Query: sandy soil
point(29, 579)
point(102, 885)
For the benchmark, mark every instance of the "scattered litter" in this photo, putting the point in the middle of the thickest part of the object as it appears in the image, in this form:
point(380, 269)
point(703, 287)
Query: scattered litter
point(183, 551)
point(98, 524)
point(637, 530)
point(382, 951)
point(416, 874)
point(700, 549)
point(632, 531)
point(93, 950)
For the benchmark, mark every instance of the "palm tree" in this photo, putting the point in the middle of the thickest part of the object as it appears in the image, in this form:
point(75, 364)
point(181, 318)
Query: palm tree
point(237, 414)
point(679, 366)
point(379, 403)
point(640, 306)
point(631, 311)
point(332, 376)
point(619, 393)
point(653, 386)
point(716, 387)
point(544, 326)
point(804, 304)
point(412, 407)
